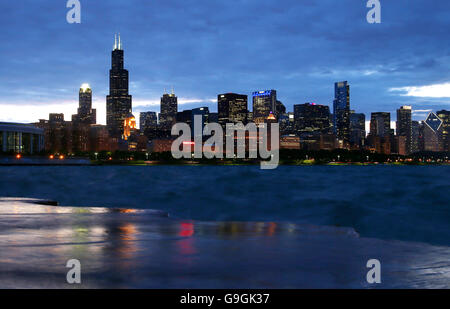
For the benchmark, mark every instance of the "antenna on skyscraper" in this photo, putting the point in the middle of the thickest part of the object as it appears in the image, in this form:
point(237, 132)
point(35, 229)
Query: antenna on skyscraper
point(120, 43)
point(115, 41)
point(173, 90)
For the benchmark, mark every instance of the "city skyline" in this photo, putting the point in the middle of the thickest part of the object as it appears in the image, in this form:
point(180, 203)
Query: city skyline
point(119, 79)
point(199, 71)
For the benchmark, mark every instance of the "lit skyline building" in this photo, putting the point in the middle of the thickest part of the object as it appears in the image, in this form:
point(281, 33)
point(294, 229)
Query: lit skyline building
point(232, 108)
point(86, 114)
point(312, 118)
point(148, 120)
point(341, 111)
point(380, 124)
point(169, 109)
point(204, 113)
point(287, 124)
point(404, 125)
point(264, 103)
point(357, 128)
point(118, 102)
point(81, 122)
point(444, 135)
point(431, 130)
point(415, 136)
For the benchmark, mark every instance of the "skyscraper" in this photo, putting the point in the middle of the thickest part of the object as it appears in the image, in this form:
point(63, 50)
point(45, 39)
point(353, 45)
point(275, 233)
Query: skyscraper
point(415, 136)
point(444, 135)
point(147, 120)
point(357, 128)
point(118, 102)
point(169, 109)
point(287, 124)
point(203, 112)
point(431, 132)
point(380, 124)
point(232, 108)
point(312, 118)
point(404, 126)
point(341, 110)
point(81, 122)
point(281, 109)
point(264, 103)
point(85, 115)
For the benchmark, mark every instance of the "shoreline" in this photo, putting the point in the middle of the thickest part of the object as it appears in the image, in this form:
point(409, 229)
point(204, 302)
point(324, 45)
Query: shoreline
point(202, 163)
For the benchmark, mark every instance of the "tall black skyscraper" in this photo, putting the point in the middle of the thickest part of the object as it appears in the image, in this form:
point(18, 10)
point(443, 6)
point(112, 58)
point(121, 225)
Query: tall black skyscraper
point(169, 109)
point(341, 111)
point(118, 102)
point(357, 128)
point(404, 125)
point(415, 136)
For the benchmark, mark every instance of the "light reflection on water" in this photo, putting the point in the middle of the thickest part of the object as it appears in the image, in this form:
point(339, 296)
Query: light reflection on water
point(125, 248)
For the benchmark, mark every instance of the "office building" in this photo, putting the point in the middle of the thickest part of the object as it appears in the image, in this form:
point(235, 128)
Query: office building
point(404, 126)
point(232, 108)
point(357, 128)
point(86, 114)
point(431, 132)
point(169, 109)
point(380, 124)
point(444, 134)
point(341, 111)
point(415, 136)
point(264, 103)
point(118, 102)
point(311, 117)
point(148, 120)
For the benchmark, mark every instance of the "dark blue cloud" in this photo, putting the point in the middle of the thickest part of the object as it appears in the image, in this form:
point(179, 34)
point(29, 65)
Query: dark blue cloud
point(206, 47)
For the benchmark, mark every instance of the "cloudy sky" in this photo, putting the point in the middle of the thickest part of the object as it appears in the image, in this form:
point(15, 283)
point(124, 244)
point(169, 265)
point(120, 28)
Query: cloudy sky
point(206, 47)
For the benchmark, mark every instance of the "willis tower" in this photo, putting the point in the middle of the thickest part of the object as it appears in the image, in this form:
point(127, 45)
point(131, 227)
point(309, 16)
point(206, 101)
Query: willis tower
point(118, 102)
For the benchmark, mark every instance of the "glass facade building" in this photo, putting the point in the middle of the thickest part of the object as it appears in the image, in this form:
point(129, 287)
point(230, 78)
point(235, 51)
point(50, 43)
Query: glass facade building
point(21, 138)
point(404, 126)
point(357, 128)
point(380, 124)
point(264, 103)
point(169, 109)
point(148, 120)
point(341, 111)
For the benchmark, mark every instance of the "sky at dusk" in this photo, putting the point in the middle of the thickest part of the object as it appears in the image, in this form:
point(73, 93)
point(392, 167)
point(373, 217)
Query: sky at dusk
point(206, 47)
